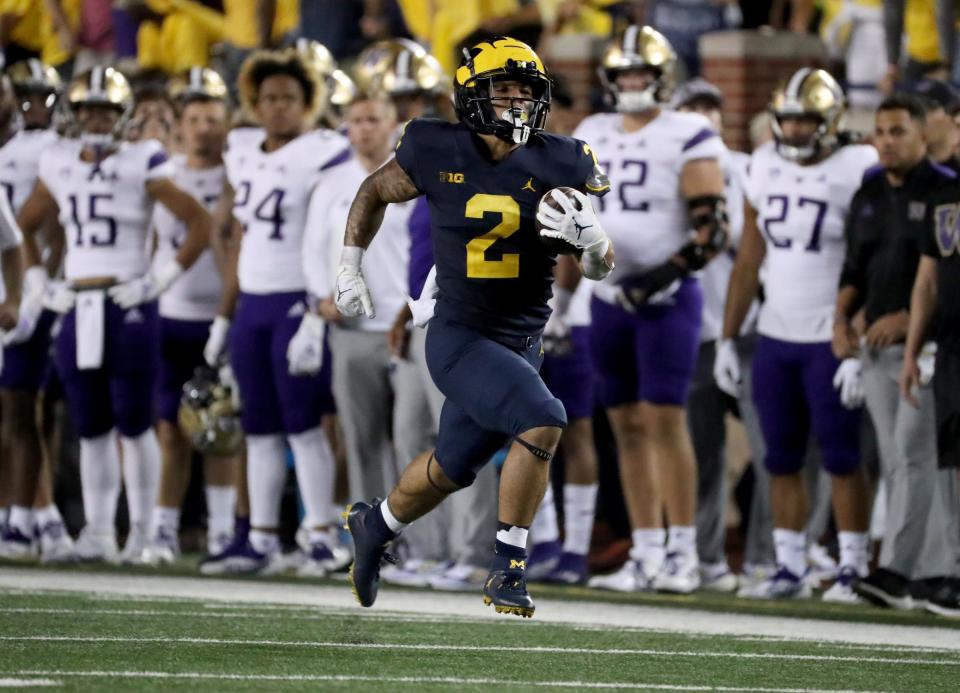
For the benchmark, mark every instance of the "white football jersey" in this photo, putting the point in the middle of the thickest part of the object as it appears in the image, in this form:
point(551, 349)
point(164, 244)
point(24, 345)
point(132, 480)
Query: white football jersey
point(385, 262)
point(715, 277)
point(195, 295)
point(800, 214)
point(271, 194)
point(9, 237)
point(19, 161)
point(105, 209)
point(644, 213)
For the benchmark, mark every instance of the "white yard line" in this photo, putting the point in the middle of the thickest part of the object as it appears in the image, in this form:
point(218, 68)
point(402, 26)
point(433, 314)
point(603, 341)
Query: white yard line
point(438, 604)
point(501, 649)
point(248, 612)
point(25, 683)
point(419, 680)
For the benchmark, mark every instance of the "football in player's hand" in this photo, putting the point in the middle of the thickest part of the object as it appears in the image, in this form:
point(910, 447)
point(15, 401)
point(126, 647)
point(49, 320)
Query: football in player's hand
point(557, 246)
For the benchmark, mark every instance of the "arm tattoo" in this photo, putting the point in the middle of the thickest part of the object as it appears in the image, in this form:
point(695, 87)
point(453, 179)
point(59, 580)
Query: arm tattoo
point(387, 184)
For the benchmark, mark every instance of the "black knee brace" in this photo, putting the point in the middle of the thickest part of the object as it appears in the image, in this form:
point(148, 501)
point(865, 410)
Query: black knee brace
point(539, 453)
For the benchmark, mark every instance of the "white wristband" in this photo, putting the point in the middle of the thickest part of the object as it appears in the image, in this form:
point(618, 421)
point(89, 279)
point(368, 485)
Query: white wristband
point(352, 257)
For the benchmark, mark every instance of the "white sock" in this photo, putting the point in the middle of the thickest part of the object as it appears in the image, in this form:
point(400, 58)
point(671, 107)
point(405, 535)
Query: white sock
point(141, 477)
point(579, 504)
point(221, 502)
point(313, 459)
point(544, 528)
point(682, 540)
point(21, 518)
point(264, 542)
point(47, 515)
point(393, 524)
point(853, 551)
point(167, 518)
point(648, 548)
point(100, 481)
point(791, 550)
point(515, 536)
point(266, 474)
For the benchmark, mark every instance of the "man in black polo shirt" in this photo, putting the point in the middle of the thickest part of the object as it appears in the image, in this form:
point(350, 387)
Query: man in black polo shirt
point(937, 290)
point(885, 227)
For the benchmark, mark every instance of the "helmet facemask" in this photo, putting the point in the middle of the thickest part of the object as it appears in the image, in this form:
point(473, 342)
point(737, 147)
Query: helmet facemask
point(793, 149)
point(636, 100)
point(512, 119)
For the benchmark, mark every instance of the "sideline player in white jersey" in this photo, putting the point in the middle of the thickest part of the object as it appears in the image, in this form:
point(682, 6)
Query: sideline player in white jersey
point(187, 310)
point(275, 334)
point(798, 192)
point(107, 349)
point(668, 215)
point(27, 368)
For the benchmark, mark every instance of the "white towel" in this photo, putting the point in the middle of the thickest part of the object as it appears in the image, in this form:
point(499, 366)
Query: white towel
point(90, 318)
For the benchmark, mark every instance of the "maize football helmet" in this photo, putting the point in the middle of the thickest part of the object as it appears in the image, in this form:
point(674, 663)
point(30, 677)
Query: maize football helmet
point(504, 59)
point(209, 415)
point(808, 93)
point(640, 48)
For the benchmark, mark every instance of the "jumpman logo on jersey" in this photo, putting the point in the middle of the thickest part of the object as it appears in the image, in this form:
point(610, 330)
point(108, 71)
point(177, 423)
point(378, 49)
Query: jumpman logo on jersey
point(529, 185)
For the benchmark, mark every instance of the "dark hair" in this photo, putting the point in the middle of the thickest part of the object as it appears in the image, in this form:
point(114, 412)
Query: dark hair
point(263, 66)
point(905, 102)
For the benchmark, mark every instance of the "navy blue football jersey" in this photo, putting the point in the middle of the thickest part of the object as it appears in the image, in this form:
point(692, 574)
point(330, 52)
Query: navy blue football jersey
point(493, 272)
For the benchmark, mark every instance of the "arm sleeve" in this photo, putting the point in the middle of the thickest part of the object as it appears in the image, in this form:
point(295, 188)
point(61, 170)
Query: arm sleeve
point(854, 260)
point(893, 11)
point(406, 152)
point(10, 235)
point(158, 163)
point(587, 171)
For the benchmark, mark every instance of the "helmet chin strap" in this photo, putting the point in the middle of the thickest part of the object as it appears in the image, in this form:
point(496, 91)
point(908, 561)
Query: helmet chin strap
point(638, 101)
point(96, 140)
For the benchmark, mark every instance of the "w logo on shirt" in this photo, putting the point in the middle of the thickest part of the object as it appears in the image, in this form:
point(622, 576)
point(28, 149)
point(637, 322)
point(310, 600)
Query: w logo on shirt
point(947, 228)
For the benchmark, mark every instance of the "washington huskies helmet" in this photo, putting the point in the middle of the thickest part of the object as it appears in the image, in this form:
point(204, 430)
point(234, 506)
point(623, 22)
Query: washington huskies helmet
point(808, 92)
point(502, 59)
point(317, 56)
point(209, 415)
point(34, 77)
point(101, 86)
point(640, 47)
point(397, 67)
point(197, 83)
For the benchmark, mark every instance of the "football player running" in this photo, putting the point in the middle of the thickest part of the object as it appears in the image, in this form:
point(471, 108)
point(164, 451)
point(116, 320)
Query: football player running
point(186, 313)
point(26, 347)
point(276, 339)
point(798, 191)
point(494, 276)
point(665, 169)
point(107, 350)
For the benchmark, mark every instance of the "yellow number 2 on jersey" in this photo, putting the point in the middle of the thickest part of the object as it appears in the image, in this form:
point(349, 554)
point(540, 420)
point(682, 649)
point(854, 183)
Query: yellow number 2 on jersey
point(478, 266)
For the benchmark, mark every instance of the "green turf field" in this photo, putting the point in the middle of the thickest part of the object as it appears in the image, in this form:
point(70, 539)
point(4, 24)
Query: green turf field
point(94, 641)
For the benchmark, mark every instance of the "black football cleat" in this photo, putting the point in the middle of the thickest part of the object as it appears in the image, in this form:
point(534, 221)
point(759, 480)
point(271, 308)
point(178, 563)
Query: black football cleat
point(370, 543)
point(507, 591)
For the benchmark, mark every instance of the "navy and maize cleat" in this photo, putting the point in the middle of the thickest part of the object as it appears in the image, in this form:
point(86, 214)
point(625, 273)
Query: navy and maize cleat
point(506, 588)
point(370, 540)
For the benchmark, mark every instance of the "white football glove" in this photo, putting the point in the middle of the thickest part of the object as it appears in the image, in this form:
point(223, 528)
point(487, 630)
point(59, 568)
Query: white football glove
point(353, 296)
point(578, 227)
point(216, 341)
point(146, 288)
point(422, 308)
point(59, 297)
point(305, 350)
point(848, 382)
point(926, 363)
point(726, 368)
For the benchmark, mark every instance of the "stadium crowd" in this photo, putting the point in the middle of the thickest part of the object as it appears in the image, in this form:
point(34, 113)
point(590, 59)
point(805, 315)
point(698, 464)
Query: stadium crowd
point(147, 345)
